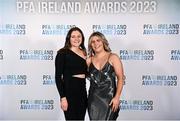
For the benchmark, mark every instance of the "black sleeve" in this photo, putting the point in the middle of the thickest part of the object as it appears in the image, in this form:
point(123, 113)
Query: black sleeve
point(59, 66)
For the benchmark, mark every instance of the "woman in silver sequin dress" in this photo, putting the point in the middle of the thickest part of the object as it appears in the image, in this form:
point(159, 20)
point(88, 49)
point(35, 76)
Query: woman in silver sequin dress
point(104, 68)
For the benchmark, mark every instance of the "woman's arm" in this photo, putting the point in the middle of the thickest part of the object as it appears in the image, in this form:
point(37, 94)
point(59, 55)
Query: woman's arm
point(59, 66)
point(118, 68)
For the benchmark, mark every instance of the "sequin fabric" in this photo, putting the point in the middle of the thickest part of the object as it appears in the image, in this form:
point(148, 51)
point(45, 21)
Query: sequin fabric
point(102, 90)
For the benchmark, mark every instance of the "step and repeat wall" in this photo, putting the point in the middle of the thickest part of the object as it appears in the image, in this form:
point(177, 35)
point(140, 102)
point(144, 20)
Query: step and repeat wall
point(144, 33)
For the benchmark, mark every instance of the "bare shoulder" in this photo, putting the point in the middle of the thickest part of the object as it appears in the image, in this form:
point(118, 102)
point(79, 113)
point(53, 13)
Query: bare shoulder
point(114, 57)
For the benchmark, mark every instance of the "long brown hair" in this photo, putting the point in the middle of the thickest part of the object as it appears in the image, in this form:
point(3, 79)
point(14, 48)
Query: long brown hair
point(67, 44)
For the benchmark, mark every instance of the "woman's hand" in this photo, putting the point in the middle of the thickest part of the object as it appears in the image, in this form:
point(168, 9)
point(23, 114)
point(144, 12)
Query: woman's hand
point(64, 104)
point(114, 104)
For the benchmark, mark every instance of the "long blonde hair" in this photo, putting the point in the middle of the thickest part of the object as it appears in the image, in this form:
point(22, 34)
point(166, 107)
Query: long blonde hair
point(103, 39)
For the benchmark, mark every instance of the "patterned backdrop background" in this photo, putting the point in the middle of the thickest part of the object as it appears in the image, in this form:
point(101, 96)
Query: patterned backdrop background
point(144, 33)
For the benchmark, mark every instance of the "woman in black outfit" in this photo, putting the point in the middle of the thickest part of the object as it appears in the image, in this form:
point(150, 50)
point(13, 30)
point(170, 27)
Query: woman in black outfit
point(70, 70)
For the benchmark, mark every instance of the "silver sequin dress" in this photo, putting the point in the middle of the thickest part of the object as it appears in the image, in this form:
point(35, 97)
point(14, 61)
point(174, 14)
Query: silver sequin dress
point(102, 90)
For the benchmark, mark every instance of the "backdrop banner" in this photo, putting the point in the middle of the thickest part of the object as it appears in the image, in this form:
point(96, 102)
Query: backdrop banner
point(143, 33)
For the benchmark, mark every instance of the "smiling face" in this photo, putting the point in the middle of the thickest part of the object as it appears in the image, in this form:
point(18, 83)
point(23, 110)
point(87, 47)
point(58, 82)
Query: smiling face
point(75, 39)
point(97, 44)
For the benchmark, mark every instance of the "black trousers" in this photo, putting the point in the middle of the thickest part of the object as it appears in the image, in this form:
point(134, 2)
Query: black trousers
point(72, 114)
point(77, 99)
